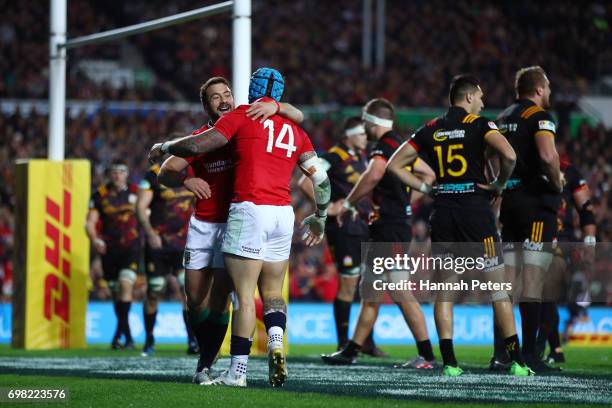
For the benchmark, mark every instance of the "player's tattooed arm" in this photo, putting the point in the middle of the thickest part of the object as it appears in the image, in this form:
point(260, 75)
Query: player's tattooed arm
point(404, 157)
point(189, 146)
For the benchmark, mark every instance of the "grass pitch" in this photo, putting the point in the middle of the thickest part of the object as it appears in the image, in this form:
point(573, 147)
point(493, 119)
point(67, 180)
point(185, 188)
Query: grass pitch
point(98, 377)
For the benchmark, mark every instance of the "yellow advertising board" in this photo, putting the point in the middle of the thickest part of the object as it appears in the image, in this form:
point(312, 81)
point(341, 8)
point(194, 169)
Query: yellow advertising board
point(52, 254)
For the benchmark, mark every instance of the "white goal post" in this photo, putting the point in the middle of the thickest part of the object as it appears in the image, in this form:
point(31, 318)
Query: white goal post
point(241, 56)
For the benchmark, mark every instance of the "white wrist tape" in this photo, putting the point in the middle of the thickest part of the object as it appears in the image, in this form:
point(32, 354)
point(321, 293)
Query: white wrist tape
point(388, 123)
point(357, 130)
point(313, 168)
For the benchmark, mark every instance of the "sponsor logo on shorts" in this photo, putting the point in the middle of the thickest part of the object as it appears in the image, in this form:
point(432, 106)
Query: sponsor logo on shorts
point(250, 250)
point(533, 246)
point(186, 256)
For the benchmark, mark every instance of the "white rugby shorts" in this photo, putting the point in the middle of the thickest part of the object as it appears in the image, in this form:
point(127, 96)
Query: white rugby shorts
point(203, 247)
point(259, 231)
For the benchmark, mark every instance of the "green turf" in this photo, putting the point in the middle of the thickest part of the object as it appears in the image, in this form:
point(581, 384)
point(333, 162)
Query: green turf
point(101, 377)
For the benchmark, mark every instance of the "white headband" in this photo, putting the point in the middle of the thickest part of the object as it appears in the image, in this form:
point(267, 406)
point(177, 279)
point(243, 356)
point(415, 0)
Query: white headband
point(357, 130)
point(388, 123)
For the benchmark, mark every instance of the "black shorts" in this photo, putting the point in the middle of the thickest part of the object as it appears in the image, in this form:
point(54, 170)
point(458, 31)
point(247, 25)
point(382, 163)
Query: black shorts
point(346, 251)
point(463, 225)
point(114, 261)
point(162, 263)
point(391, 231)
point(466, 225)
point(524, 220)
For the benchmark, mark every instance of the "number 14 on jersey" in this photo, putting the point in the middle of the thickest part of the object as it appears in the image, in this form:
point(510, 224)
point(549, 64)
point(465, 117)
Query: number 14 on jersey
point(286, 130)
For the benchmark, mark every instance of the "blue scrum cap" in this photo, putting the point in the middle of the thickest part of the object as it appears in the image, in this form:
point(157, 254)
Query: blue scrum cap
point(266, 82)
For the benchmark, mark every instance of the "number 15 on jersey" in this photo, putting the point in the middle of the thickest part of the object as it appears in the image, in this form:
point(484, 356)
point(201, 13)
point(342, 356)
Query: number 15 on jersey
point(286, 130)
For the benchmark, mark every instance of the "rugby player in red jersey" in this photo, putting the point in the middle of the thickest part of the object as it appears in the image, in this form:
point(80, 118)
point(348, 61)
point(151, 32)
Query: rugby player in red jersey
point(257, 240)
point(211, 180)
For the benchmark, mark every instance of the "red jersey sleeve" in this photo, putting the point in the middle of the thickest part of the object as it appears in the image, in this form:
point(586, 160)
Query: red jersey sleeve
point(307, 144)
point(229, 123)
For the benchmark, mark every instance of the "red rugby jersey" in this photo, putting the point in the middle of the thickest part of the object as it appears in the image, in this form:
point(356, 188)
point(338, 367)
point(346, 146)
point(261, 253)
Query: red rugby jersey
point(217, 169)
point(265, 155)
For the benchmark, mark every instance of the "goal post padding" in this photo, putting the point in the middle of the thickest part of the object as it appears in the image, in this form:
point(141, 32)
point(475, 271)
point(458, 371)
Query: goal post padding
point(51, 254)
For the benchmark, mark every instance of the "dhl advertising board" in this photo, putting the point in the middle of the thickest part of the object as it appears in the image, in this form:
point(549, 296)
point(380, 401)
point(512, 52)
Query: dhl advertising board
point(51, 254)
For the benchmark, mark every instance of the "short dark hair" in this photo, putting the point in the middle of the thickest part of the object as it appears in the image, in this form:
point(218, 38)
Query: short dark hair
point(528, 79)
point(118, 162)
point(211, 81)
point(351, 122)
point(461, 85)
point(380, 107)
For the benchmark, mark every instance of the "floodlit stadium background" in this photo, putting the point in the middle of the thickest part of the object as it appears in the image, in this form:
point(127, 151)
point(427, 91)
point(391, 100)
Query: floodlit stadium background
point(137, 91)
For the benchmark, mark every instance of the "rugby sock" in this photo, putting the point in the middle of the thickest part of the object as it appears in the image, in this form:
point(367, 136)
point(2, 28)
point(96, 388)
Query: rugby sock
point(512, 347)
point(351, 349)
point(448, 352)
point(149, 323)
point(530, 322)
point(212, 332)
point(117, 335)
point(342, 312)
point(124, 311)
point(240, 348)
point(554, 339)
point(278, 319)
point(190, 334)
point(499, 346)
point(425, 350)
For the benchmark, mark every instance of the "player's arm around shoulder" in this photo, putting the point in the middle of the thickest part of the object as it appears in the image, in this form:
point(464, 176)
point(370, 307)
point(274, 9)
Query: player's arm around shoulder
point(174, 172)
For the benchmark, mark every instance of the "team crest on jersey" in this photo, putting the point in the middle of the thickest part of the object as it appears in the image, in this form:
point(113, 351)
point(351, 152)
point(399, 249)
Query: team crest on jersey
point(492, 125)
point(546, 125)
point(347, 261)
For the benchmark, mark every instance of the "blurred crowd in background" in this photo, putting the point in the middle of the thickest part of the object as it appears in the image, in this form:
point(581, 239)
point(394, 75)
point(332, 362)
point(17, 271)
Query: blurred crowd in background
point(317, 46)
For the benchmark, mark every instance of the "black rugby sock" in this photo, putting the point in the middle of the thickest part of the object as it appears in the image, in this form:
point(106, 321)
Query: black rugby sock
point(149, 323)
point(342, 313)
point(554, 338)
point(210, 334)
point(512, 347)
point(190, 333)
point(425, 350)
point(124, 312)
point(448, 352)
point(530, 322)
point(118, 330)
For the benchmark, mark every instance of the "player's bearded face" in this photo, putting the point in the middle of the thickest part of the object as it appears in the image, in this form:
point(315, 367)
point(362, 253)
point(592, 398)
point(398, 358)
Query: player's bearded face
point(220, 100)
